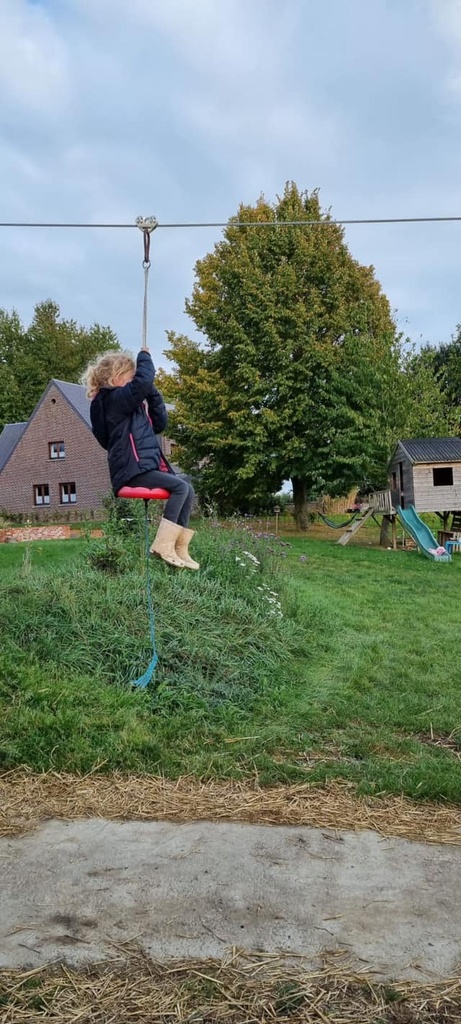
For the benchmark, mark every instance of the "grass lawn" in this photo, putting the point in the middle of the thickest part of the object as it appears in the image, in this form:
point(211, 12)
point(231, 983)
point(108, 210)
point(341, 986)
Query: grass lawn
point(15, 558)
point(360, 678)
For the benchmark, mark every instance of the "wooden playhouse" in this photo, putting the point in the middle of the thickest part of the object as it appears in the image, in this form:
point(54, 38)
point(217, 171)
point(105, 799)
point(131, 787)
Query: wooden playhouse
point(426, 473)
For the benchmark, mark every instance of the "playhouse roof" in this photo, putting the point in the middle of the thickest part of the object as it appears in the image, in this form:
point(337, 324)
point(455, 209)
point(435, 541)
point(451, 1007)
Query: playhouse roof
point(433, 449)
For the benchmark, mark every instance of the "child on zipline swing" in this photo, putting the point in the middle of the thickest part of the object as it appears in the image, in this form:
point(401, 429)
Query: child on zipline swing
point(127, 415)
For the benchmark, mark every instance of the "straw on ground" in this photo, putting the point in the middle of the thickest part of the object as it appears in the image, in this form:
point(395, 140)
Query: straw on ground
point(27, 799)
point(241, 989)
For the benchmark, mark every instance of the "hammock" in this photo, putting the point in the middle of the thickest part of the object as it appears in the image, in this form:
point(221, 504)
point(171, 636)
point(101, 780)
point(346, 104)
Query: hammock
point(338, 526)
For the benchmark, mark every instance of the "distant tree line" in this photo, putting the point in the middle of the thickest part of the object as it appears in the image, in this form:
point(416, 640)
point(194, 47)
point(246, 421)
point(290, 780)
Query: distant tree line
point(49, 347)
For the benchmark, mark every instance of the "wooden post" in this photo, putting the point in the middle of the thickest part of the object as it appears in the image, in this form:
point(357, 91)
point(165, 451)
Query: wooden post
point(394, 533)
point(277, 513)
point(384, 532)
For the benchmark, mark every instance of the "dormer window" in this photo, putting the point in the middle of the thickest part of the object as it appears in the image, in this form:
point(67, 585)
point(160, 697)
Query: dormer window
point(56, 450)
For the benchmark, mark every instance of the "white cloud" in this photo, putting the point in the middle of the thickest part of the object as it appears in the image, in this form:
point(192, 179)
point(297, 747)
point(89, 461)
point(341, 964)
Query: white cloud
point(224, 41)
point(33, 67)
point(447, 15)
point(137, 86)
point(184, 108)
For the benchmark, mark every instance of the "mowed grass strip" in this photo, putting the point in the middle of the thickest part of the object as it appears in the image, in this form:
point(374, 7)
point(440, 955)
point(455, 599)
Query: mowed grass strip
point(383, 704)
point(17, 559)
point(360, 679)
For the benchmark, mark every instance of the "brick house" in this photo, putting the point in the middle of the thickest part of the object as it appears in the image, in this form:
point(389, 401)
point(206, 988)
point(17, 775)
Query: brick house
point(52, 465)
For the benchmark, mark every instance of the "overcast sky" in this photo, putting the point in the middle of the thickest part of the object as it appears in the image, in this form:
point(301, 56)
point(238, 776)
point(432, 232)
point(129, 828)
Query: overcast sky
point(184, 108)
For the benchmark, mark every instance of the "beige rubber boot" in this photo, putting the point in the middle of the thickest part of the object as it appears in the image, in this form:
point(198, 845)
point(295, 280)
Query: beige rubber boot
point(164, 543)
point(182, 548)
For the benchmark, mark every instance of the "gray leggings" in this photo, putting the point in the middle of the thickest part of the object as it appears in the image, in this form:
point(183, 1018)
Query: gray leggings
point(179, 505)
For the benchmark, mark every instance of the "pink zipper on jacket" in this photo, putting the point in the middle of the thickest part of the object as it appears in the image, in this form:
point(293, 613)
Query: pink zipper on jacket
point(163, 465)
point(134, 448)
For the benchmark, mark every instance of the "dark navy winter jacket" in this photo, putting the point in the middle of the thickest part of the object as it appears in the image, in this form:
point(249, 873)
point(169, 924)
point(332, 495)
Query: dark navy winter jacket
point(126, 429)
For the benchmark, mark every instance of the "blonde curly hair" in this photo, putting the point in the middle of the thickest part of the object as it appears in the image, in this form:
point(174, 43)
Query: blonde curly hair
point(102, 372)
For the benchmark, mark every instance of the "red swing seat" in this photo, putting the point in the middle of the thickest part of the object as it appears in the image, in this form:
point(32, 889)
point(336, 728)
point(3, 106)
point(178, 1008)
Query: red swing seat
point(146, 493)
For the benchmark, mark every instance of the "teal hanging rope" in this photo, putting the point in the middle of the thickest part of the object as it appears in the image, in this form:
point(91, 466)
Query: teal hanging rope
point(145, 679)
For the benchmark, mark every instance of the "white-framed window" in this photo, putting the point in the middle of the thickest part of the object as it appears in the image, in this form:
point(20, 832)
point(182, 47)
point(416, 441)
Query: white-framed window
point(56, 450)
point(68, 494)
point(41, 494)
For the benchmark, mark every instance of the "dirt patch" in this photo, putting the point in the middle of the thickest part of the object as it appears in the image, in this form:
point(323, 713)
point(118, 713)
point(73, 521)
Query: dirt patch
point(28, 799)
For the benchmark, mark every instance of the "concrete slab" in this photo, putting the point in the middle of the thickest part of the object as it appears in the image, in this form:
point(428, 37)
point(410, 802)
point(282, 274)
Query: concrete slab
point(71, 890)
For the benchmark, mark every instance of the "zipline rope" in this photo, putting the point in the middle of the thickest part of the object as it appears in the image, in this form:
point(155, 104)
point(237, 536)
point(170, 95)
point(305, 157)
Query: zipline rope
point(147, 225)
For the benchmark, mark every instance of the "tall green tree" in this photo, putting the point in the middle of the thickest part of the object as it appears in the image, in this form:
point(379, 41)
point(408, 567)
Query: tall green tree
point(49, 347)
point(445, 362)
point(298, 370)
point(426, 406)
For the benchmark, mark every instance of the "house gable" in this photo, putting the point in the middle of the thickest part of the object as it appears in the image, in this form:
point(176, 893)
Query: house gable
point(61, 418)
point(57, 421)
point(77, 398)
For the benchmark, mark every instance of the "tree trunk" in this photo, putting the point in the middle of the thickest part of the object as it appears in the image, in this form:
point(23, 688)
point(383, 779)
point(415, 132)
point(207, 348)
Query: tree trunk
point(300, 502)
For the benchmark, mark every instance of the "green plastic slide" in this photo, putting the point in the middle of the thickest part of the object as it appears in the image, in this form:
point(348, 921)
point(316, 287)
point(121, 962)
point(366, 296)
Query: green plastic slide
point(421, 534)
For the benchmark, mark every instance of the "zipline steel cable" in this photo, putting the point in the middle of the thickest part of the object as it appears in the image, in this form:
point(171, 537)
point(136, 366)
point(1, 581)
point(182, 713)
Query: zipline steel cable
point(241, 224)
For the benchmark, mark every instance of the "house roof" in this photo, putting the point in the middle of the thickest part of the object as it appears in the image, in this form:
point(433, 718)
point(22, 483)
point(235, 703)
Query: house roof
point(433, 449)
point(9, 438)
point(76, 396)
